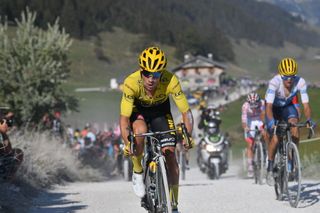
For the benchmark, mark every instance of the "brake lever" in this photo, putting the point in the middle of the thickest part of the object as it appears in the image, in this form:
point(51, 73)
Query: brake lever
point(311, 132)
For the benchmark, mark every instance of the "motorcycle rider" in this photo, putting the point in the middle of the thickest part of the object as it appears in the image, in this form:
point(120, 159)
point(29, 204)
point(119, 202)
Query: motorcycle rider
point(214, 145)
point(253, 113)
point(209, 113)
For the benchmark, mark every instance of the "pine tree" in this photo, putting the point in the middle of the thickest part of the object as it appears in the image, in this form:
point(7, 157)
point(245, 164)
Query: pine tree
point(33, 65)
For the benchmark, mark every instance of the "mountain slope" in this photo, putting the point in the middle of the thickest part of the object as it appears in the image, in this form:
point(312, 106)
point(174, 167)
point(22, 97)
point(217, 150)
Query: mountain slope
point(309, 10)
point(198, 27)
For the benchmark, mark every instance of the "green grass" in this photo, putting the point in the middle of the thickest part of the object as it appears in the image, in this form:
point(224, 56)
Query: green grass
point(98, 108)
point(118, 47)
point(254, 59)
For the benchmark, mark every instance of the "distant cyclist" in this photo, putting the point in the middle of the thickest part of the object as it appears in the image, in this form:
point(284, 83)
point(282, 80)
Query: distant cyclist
point(145, 103)
point(282, 90)
point(253, 115)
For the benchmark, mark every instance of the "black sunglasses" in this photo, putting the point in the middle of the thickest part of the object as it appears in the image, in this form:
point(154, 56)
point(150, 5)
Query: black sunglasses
point(148, 74)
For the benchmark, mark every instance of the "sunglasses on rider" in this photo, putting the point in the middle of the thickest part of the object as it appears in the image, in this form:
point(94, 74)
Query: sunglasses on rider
point(148, 74)
point(287, 78)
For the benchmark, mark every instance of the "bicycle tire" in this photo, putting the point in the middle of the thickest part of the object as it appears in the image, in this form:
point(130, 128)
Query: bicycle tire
point(150, 184)
point(164, 203)
point(293, 177)
point(279, 177)
point(258, 163)
point(183, 165)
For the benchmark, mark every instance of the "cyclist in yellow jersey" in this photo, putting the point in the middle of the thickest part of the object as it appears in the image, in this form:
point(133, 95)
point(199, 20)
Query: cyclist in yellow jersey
point(145, 104)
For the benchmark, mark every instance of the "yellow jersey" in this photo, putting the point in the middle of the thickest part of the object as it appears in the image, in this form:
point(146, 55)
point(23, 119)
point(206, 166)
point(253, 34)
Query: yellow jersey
point(134, 96)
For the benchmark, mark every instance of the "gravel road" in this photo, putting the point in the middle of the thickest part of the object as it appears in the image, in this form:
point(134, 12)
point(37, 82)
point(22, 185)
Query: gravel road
point(231, 193)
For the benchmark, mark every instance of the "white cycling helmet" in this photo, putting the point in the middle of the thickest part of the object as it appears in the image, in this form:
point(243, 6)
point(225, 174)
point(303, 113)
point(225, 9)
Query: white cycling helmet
point(253, 99)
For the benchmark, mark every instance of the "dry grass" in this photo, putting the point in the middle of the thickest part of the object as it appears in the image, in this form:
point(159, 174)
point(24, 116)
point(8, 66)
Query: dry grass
point(47, 162)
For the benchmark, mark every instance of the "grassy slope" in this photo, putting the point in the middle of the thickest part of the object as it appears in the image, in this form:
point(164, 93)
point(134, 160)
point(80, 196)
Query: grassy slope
point(255, 59)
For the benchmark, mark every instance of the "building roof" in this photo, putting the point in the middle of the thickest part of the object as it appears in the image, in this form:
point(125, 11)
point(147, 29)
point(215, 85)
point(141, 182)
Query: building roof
point(199, 61)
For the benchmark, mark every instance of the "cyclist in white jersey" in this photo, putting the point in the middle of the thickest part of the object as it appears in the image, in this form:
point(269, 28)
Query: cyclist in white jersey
point(253, 115)
point(282, 89)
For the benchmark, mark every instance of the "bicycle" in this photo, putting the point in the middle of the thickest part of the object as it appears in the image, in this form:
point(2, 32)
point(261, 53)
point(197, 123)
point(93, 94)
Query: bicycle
point(258, 157)
point(287, 167)
point(157, 197)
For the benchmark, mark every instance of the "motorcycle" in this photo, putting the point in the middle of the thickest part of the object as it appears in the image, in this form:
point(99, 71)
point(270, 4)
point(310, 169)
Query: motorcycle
point(213, 151)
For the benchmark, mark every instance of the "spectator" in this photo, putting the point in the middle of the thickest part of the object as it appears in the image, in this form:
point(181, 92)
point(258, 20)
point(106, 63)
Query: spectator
point(11, 158)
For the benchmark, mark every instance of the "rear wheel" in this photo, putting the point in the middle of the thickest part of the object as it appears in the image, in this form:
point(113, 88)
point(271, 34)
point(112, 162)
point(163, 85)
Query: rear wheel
point(164, 203)
point(293, 174)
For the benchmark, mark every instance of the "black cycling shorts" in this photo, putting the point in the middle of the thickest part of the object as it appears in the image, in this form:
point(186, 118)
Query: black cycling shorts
point(159, 123)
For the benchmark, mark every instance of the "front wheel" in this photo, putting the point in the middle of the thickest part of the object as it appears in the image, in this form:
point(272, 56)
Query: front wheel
point(258, 163)
point(164, 203)
point(293, 174)
point(278, 172)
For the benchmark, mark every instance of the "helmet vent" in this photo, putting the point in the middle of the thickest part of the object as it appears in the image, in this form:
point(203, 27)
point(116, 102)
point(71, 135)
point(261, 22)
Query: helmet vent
point(155, 63)
point(149, 62)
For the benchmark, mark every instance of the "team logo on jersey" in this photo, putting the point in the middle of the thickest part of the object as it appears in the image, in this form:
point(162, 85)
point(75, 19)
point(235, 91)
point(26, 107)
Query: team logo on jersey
point(178, 93)
point(128, 97)
point(160, 96)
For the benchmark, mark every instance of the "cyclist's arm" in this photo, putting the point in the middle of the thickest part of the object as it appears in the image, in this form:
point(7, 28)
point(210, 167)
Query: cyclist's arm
point(269, 113)
point(181, 102)
point(244, 116)
point(187, 118)
point(126, 109)
point(307, 110)
point(270, 96)
point(125, 128)
point(263, 111)
point(304, 98)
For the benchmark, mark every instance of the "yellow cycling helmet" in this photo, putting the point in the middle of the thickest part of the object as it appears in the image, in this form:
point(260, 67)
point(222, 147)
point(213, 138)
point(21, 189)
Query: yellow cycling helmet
point(288, 67)
point(152, 59)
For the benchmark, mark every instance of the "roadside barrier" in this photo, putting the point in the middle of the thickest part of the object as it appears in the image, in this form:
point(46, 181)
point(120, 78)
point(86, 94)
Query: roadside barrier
point(310, 140)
